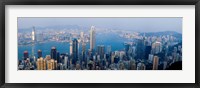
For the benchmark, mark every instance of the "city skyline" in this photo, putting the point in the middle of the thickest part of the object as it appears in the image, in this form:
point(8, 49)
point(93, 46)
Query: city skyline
point(99, 49)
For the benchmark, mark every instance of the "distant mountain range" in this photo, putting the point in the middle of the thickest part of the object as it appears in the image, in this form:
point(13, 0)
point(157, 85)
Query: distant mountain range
point(176, 34)
point(84, 28)
point(57, 27)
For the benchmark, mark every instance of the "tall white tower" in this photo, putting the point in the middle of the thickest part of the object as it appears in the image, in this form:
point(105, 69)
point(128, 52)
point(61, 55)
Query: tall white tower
point(92, 38)
point(33, 43)
point(70, 47)
point(33, 35)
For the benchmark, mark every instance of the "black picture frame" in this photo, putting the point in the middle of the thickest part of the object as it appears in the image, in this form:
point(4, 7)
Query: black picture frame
point(99, 2)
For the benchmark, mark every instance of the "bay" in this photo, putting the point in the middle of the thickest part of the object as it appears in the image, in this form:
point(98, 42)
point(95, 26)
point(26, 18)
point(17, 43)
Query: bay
point(106, 39)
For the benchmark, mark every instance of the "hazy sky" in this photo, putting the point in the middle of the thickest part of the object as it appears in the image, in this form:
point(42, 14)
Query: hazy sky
point(136, 24)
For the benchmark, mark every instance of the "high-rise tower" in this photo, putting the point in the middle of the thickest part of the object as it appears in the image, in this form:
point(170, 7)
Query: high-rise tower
point(92, 38)
point(70, 47)
point(101, 50)
point(25, 55)
point(33, 42)
point(156, 47)
point(53, 53)
point(39, 53)
point(155, 62)
point(74, 51)
point(33, 35)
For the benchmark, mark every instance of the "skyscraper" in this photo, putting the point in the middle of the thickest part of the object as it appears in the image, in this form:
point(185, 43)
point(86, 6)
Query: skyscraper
point(39, 53)
point(83, 47)
point(155, 62)
point(44, 64)
point(83, 53)
point(40, 64)
point(58, 56)
point(108, 50)
point(33, 36)
point(150, 58)
point(50, 64)
point(53, 53)
point(25, 55)
point(65, 61)
point(92, 38)
point(70, 48)
point(140, 49)
point(156, 47)
point(74, 51)
point(56, 65)
point(147, 51)
point(127, 47)
point(101, 51)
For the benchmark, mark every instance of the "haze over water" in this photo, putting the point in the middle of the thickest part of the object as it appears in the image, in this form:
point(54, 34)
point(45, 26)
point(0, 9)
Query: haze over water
point(137, 24)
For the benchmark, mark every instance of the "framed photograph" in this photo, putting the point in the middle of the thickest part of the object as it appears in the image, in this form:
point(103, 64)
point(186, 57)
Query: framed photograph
point(86, 43)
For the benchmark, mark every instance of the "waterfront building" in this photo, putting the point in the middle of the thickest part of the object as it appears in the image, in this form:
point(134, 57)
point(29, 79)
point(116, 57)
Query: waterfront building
point(53, 53)
point(26, 55)
point(39, 53)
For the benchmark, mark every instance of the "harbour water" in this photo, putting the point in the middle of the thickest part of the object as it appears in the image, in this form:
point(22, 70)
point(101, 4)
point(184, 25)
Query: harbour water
point(106, 39)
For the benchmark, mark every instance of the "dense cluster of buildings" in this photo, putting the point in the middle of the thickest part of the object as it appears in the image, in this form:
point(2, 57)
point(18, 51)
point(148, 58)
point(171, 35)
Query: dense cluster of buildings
point(143, 53)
